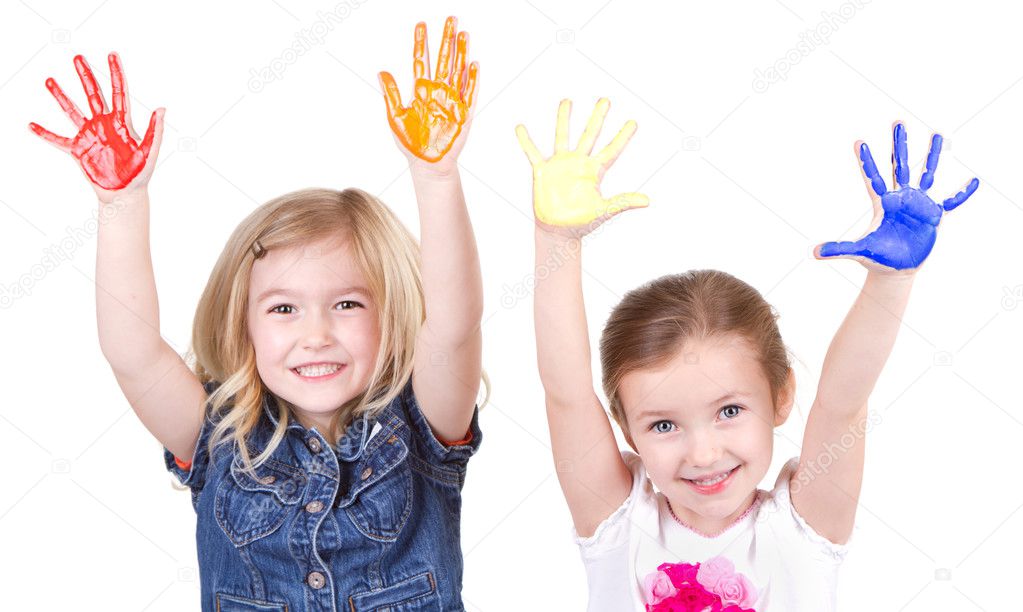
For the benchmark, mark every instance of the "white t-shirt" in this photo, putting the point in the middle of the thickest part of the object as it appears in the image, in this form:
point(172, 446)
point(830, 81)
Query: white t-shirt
point(785, 565)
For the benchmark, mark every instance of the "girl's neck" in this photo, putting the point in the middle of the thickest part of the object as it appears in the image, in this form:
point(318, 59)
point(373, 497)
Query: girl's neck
point(711, 527)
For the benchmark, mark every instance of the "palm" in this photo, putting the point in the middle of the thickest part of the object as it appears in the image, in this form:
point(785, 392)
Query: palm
point(908, 225)
point(106, 147)
point(107, 152)
point(566, 186)
point(429, 127)
point(432, 122)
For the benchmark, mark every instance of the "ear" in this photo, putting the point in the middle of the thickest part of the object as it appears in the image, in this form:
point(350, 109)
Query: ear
point(786, 397)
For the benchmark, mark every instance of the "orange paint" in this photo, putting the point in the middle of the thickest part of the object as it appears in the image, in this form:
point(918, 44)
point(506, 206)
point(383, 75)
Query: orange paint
point(441, 105)
point(106, 147)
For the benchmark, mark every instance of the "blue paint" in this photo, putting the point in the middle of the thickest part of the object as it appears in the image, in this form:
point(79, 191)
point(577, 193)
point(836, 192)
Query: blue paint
point(961, 197)
point(900, 155)
point(870, 169)
point(932, 162)
point(909, 227)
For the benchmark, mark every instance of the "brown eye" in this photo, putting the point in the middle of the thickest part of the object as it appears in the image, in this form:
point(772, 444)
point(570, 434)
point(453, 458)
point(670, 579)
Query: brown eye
point(283, 309)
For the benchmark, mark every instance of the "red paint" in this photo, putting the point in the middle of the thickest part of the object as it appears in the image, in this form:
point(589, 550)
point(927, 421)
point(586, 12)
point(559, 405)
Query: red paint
point(107, 148)
point(714, 489)
point(430, 124)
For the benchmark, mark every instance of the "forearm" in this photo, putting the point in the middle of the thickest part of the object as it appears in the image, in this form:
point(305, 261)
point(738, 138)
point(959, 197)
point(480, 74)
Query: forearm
point(452, 286)
point(863, 343)
point(562, 338)
point(127, 311)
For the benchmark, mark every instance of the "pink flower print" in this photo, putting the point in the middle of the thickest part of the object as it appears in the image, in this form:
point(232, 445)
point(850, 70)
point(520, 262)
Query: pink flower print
point(657, 586)
point(718, 575)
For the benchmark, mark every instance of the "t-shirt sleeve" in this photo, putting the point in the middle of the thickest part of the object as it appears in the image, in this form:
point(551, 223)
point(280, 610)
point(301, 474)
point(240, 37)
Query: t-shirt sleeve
point(445, 453)
point(193, 473)
point(823, 549)
point(613, 532)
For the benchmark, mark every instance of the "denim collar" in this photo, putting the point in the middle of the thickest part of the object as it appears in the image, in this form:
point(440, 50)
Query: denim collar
point(350, 445)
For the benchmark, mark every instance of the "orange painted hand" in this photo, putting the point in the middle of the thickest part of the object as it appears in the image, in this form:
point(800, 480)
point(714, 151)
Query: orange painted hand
point(430, 126)
point(566, 186)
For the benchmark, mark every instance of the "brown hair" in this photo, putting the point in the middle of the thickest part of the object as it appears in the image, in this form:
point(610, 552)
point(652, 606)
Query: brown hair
point(385, 251)
point(653, 322)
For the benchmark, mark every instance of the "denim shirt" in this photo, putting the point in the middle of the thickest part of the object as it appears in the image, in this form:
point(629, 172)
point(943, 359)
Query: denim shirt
point(372, 524)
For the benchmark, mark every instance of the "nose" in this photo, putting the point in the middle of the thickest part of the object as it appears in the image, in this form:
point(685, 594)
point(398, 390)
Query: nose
point(704, 448)
point(316, 332)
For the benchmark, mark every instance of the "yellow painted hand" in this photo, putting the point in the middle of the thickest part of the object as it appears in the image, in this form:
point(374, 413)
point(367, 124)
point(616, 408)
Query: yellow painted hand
point(566, 186)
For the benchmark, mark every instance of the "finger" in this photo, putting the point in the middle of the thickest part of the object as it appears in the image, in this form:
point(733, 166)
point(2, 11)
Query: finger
point(962, 196)
point(839, 249)
point(391, 94)
point(69, 107)
point(443, 72)
point(470, 88)
point(117, 94)
point(92, 91)
point(625, 201)
point(870, 170)
point(561, 129)
point(528, 146)
point(610, 153)
point(458, 72)
point(932, 163)
point(64, 144)
point(154, 134)
point(593, 126)
point(420, 54)
point(900, 155)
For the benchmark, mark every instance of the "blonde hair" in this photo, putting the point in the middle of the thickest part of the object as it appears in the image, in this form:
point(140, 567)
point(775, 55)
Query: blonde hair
point(653, 322)
point(388, 256)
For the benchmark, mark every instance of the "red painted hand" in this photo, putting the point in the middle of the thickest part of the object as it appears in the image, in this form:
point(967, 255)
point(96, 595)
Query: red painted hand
point(429, 127)
point(106, 145)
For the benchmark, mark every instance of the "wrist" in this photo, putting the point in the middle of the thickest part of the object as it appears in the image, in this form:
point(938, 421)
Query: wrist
point(441, 171)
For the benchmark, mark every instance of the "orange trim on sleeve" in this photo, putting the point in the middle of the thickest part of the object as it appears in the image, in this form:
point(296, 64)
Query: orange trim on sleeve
point(467, 439)
point(185, 465)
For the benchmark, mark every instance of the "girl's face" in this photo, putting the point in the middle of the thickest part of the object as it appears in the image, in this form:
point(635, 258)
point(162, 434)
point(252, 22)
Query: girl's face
point(314, 327)
point(707, 413)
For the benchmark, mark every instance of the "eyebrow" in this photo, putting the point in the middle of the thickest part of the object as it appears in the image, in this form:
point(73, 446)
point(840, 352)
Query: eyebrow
point(666, 413)
point(286, 292)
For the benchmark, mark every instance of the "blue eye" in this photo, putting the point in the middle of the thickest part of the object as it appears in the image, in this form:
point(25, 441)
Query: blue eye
point(663, 427)
point(731, 411)
point(279, 309)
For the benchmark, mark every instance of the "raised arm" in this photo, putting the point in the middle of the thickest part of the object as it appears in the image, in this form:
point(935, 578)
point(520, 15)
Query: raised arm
point(431, 132)
point(567, 204)
point(826, 488)
point(161, 389)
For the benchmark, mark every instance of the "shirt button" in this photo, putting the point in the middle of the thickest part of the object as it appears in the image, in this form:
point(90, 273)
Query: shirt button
point(314, 445)
point(314, 506)
point(267, 480)
point(366, 473)
point(315, 580)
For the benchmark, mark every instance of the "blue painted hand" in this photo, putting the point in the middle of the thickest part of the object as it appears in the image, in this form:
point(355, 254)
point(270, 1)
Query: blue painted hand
point(905, 220)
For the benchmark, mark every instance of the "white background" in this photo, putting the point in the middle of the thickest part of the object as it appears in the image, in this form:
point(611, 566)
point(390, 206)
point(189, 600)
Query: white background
point(742, 180)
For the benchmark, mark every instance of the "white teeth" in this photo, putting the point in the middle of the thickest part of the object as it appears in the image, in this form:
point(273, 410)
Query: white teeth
point(318, 370)
point(713, 481)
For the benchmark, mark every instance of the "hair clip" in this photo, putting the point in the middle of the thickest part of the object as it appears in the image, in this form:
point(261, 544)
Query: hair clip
point(257, 249)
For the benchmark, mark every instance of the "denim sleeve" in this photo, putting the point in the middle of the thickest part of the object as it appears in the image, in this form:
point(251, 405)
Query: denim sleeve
point(193, 474)
point(451, 454)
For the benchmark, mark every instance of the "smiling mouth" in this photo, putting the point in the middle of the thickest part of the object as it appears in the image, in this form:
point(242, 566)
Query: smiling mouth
point(318, 370)
point(710, 482)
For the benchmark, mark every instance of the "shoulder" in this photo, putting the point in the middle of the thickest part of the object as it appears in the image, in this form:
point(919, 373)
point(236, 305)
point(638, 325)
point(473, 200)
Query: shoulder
point(425, 444)
point(637, 510)
point(778, 512)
